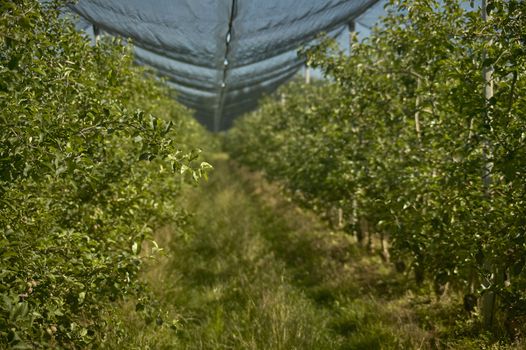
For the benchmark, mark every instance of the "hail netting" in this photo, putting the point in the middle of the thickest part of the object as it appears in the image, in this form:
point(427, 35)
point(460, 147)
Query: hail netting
point(221, 55)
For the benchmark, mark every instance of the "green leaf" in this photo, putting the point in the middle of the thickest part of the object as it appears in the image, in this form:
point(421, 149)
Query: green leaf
point(13, 62)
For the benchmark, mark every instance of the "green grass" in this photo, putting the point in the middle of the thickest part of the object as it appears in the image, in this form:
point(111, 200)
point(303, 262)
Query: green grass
point(228, 283)
point(256, 272)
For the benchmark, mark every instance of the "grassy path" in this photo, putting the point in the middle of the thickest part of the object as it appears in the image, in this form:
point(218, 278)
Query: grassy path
point(259, 273)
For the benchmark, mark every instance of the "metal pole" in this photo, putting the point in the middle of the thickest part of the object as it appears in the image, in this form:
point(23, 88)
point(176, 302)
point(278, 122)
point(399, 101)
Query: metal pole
point(351, 26)
point(417, 112)
point(489, 299)
point(96, 33)
point(307, 75)
point(352, 32)
point(487, 73)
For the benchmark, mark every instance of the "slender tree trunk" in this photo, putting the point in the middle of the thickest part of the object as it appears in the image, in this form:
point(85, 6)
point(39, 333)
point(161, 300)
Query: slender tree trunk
point(384, 254)
point(354, 221)
point(340, 218)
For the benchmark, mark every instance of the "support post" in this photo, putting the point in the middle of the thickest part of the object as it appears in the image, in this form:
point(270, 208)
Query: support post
point(417, 111)
point(497, 276)
point(355, 221)
point(96, 33)
point(351, 26)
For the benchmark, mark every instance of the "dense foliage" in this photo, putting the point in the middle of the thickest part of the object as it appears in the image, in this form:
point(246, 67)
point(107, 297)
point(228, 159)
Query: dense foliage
point(86, 173)
point(413, 142)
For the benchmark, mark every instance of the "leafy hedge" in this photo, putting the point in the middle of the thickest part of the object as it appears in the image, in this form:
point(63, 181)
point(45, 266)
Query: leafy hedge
point(405, 141)
point(86, 173)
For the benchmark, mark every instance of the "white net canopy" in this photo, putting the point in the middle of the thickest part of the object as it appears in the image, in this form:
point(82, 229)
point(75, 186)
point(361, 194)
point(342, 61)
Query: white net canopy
point(221, 55)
